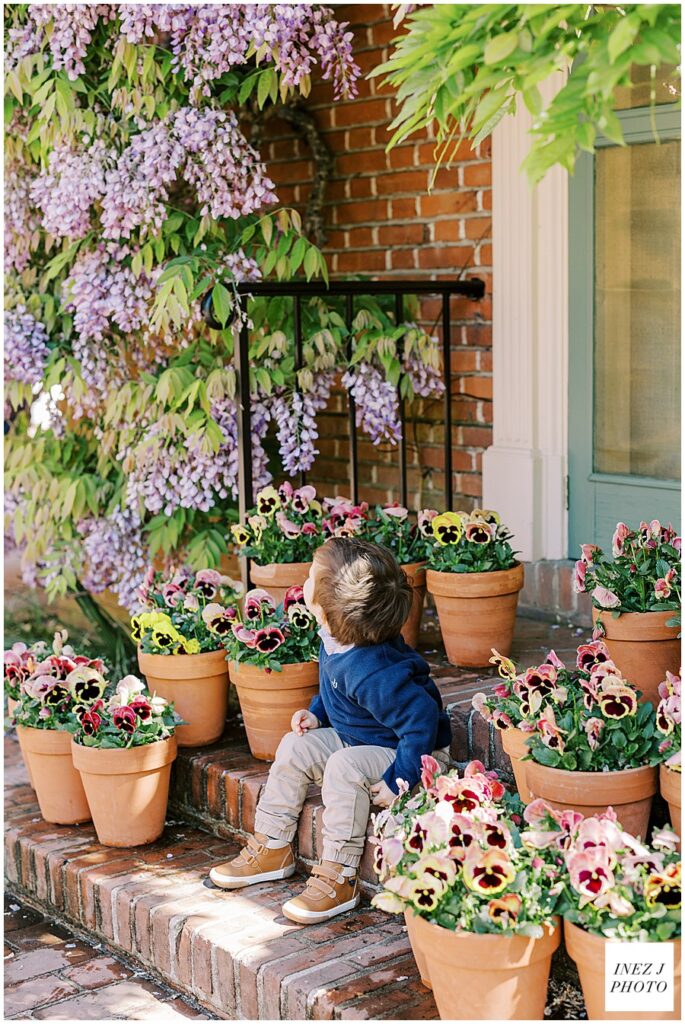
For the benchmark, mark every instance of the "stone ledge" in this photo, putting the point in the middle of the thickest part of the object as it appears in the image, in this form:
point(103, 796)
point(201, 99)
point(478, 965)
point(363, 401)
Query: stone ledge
point(233, 953)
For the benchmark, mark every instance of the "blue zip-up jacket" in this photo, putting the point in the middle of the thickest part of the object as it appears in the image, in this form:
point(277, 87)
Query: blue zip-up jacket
point(383, 696)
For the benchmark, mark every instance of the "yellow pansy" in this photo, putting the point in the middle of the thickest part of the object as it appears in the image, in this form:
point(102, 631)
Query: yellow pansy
point(447, 528)
point(268, 502)
point(241, 534)
point(191, 646)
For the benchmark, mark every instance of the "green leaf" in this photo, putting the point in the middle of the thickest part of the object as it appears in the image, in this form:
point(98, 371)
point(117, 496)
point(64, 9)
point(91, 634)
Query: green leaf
point(623, 35)
point(311, 262)
point(498, 48)
point(222, 303)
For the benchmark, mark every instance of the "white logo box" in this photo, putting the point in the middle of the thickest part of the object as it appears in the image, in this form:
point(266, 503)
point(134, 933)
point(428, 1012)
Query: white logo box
point(638, 976)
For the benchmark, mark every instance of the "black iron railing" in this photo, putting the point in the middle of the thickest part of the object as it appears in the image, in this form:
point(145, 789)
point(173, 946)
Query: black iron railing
point(473, 288)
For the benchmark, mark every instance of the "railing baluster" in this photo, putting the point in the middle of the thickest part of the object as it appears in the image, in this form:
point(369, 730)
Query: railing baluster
point(352, 415)
point(447, 380)
point(244, 417)
point(399, 316)
point(297, 313)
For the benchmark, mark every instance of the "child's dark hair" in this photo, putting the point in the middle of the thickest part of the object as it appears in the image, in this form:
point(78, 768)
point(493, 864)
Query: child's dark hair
point(364, 594)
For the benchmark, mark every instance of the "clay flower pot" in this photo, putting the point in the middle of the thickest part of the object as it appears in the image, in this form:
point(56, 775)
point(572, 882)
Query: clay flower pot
point(277, 577)
point(410, 917)
point(588, 952)
point(486, 977)
point(669, 784)
point(643, 647)
point(477, 611)
point(198, 686)
point(514, 744)
point(629, 792)
point(11, 707)
point(416, 574)
point(127, 789)
point(268, 701)
point(58, 786)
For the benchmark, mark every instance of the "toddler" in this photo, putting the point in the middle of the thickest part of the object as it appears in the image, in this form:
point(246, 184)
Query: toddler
point(376, 713)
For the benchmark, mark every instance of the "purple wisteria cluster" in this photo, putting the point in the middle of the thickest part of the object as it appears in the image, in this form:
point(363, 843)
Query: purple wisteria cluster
point(376, 403)
point(296, 427)
point(115, 554)
point(25, 346)
point(206, 40)
point(66, 191)
point(22, 220)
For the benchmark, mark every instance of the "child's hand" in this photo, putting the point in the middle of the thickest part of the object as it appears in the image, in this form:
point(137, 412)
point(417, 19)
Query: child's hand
point(382, 795)
point(302, 721)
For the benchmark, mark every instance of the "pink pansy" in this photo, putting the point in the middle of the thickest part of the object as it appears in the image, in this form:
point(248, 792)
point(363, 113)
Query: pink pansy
point(428, 831)
point(550, 733)
point(388, 902)
point(191, 603)
point(595, 833)
point(462, 832)
point(579, 574)
point(501, 720)
point(173, 595)
point(392, 850)
point(539, 839)
point(554, 659)
point(590, 873)
point(424, 520)
point(589, 654)
point(440, 867)
point(257, 602)
point(665, 839)
point(303, 497)
point(285, 491)
point(209, 576)
point(268, 639)
point(588, 552)
point(593, 730)
point(40, 686)
point(502, 690)
point(396, 511)
point(621, 534)
point(429, 769)
point(526, 726)
point(478, 702)
point(674, 761)
point(662, 589)
point(605, 670)
point(605, 598)
point(537, 811)
point(287, 527)
point(293, 595)
point(309, 529)
point(244, 635)
point(618, 905)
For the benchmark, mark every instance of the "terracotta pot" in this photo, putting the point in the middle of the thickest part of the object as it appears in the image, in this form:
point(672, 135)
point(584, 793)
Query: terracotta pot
point(629, 792)
point(127, 790)
point(198, 686)
point(277, 577)
point(416, 574)
point(486, 977)
point(642, 646)
point(58, 786)
point(11, 707)
point(421, 962)
point(268, 701)
point(669, 784)
point(588, 952)
point(514, 744)
point(477, 611)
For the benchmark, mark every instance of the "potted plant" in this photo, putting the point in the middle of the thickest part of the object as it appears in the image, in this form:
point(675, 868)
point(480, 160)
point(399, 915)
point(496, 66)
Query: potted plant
point(636, 601)
point(668, 724)
point(409, 544)
point(612, 888)
point(475, 579)
point(509, 707)
point(123, 748)
point(281, 534)
point(19, 663)
point(273, 664)
point(480, 906)
point(593, 745)
point(180, 653)
point(45, 717)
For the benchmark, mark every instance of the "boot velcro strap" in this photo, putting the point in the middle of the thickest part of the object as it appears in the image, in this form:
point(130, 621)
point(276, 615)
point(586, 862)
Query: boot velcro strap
point(323, 871)
point(253, 849)
point(320, 887)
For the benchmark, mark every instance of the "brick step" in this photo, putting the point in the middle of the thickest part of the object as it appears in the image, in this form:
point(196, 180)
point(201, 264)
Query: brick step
point(233, 953)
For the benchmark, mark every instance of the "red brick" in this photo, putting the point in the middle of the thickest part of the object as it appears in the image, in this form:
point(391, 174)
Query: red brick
point(97, 972)
point(27, 995)
point(477, 387)
point(364, 112)
point(402, 234)
point(362, 213)
point(44, 961)
point(401, 209)
point(478, 227)
point(403, 181)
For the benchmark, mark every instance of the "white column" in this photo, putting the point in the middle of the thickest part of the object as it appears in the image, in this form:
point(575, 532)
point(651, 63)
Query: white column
point(524, 472)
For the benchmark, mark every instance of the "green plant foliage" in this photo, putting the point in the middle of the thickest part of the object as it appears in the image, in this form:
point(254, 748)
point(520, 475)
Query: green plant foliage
point(461, 68)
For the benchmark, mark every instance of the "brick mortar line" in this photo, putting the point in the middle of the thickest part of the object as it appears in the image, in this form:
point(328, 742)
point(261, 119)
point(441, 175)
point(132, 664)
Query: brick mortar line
point(124, 956)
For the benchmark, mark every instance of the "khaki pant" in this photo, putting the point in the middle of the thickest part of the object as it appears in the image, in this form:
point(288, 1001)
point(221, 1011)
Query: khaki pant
point(345, 775)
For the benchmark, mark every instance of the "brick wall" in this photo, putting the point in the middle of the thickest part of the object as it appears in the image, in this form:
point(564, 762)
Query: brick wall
point(382, 220)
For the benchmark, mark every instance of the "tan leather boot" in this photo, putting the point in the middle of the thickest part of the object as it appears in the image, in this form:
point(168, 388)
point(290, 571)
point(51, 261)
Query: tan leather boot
point(328, 893)
point(255, 863)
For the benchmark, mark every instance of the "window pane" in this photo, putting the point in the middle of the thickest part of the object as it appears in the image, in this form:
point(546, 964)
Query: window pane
point(666, 87)
point(637, 311)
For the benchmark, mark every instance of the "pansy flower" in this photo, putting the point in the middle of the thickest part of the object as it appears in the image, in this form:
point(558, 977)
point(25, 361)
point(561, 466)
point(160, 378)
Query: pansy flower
point(505, 910)
point(293, 595)
point(593, 730)
point(302, 498)
point(268, 501)
point(258, 602)
point(440, 867)
point(447, 528)
point(125, 719)
point(142, 707)
point(617, 701)
point(218, 619)
point(488, 873)
point(287, 527)
point(241, 535)
point(300, 617)
point(478, 532)
point(56, 696)
point(487, 515)
point(590, 873)
point(244, 635)
point(664, 888)
point(550, 733)
point(589, 654)
point(89, 718)
point(424, 522)
point(505, 666)
point(207, 582)
point(85, 684)
point(426, 892)
point(268, 639)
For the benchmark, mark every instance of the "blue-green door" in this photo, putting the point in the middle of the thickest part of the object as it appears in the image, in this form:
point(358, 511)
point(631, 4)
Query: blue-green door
point(624, 299)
